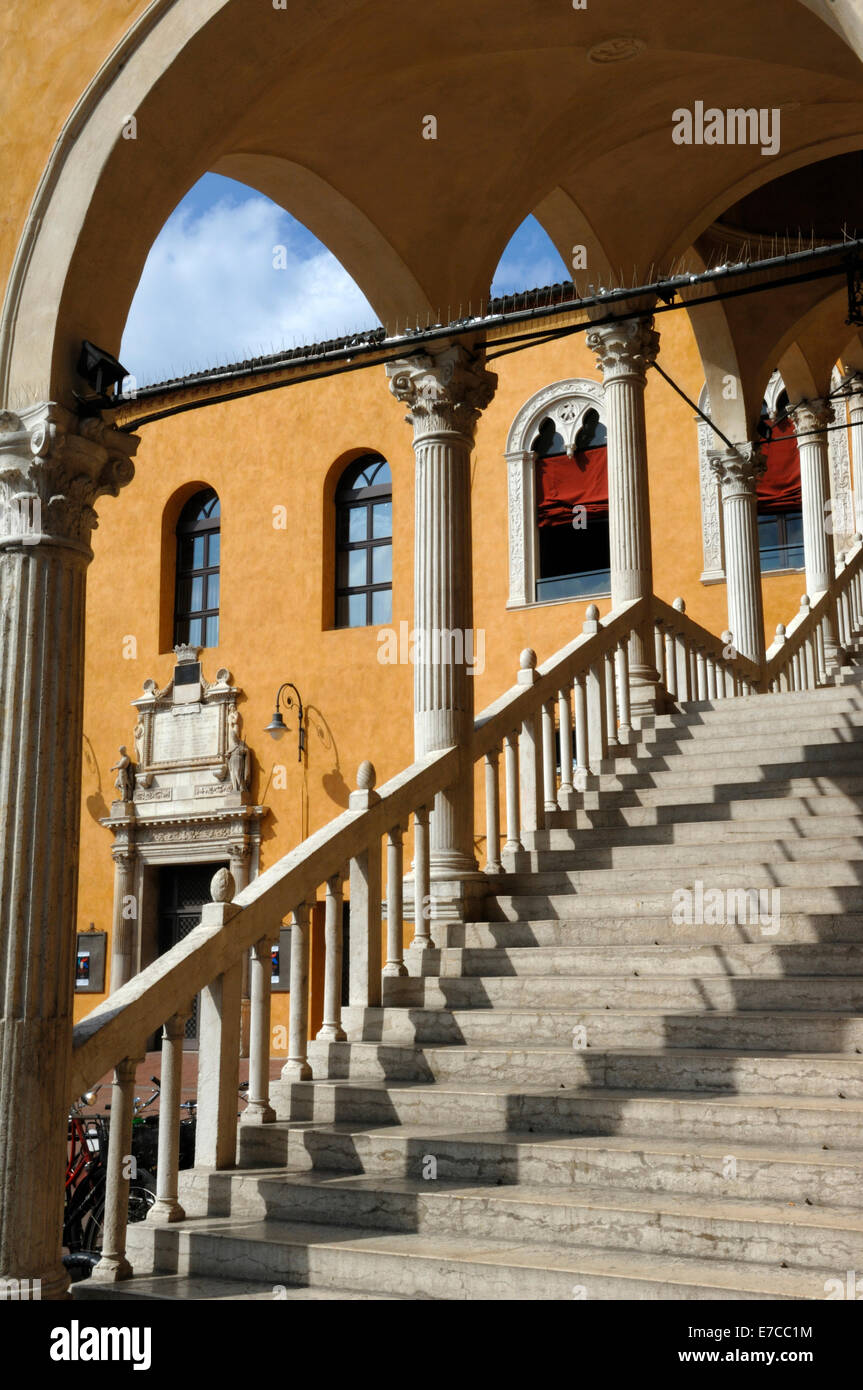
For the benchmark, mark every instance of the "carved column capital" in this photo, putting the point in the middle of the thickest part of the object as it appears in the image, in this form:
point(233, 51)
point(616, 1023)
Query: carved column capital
point(124, 856)
point(737, 470)
point(624, 348)
point(811, 415)
point(53, 468)
point(444, 393)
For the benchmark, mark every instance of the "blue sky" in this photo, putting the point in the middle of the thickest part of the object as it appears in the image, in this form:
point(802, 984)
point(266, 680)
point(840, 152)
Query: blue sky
point(209, 293)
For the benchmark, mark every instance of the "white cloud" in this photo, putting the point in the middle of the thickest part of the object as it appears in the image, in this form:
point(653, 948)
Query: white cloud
point(209, 293)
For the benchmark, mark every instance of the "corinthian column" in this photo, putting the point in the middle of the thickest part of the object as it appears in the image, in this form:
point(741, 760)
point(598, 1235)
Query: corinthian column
point(625, 349)
point(445, 394)
point(737, 471)
point(853, 384)
point(811, 419)
point(52, 470)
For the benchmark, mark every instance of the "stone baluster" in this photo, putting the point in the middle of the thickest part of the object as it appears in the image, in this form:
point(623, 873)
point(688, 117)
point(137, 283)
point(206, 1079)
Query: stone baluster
point(445, 392)
point(711, 677)
point(258, 1110)
point(780, 641)
point(297, 1068)
point(395, 965)
point(53, 469)
point(843, 607)
point(610, 701)
point(701, 670)
point(670, 665)
point(530, 752)
point(113, 1265)
point(492, 812)
point(422, 939)
point(564, 719)
point(659, 651)
point(621, 657)
point(597, 744)
point(582, 749)
point(737, 472)
point(625, 349)
point(166, 1207)
point(219, 1043)
point(681, 658)
point(331, 1025)
point(513, 827)
point(366, 957)
point(549, 760)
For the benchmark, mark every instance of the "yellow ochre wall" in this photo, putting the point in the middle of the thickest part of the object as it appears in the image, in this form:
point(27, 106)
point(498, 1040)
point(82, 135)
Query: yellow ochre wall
point(287, 448)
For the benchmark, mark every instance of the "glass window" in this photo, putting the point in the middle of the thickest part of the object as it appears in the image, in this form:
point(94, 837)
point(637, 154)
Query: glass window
point(364, 553)
point(573, 554)
point(196, 594)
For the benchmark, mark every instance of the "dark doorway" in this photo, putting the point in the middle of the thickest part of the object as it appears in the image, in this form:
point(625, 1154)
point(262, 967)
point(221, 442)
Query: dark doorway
point(183, 890)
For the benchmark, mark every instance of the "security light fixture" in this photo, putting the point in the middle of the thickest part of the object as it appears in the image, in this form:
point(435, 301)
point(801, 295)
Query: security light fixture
point(101, 372)
point(277, 726)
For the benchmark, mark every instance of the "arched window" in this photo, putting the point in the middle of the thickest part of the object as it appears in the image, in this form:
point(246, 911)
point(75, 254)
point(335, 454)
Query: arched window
point(364, 543)
point(196, 595)
point(780, 510)
point(572, 510)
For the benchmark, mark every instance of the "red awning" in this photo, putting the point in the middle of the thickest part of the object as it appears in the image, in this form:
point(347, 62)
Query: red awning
point(779, 487)
point(563, 483)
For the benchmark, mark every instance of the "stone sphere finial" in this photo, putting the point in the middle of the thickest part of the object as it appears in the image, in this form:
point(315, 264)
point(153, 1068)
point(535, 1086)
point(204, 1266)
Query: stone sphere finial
point(223, 886)
point(679, 605)
point(804, 601)
point(366, 776)
point(592, 613)
point(857, 538)
point(780, 629)
point(727, 637)
point(527, 660)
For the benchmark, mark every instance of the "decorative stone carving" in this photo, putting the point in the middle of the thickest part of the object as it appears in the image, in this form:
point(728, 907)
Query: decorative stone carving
point(239, 766)
point(222, 886)
point(125, 779)
point(842, 512)
point(625, 348)
point(737, 471)
point(445, 393)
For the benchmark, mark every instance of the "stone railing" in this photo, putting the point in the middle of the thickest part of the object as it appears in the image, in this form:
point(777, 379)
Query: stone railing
point(800, 657)
point(578, 700)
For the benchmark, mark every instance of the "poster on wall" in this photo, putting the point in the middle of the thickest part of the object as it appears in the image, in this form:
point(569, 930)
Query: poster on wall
point(90, 951)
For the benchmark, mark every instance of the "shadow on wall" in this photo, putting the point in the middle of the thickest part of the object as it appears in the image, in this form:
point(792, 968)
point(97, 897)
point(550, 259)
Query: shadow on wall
point(96, 803)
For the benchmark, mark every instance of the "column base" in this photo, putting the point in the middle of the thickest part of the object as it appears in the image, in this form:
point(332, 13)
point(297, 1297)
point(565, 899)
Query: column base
point(393, 969)
point(328, 1032)
point(256, 1113)
point(164, 1212)
point(296, 1069)
point(111, 1270)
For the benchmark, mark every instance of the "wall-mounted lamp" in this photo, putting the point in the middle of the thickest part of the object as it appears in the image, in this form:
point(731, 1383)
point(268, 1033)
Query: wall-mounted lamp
point(277, 726)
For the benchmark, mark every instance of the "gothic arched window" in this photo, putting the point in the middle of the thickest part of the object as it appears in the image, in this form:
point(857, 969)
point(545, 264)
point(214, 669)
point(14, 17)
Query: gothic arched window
point(572, 510)
point(196, 593)
point(780, 508)
point(364, 543)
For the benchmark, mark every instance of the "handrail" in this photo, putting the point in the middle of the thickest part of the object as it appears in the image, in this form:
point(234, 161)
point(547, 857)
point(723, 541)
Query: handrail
point(796, 658)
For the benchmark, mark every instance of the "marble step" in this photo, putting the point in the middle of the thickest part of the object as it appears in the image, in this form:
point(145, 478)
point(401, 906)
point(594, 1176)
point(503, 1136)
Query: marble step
point(688, 795)
point(641, 1024)
point(729, 1117)
point(763, 709)
point(524, 922)
point(633, 826)
point(535, 897)
point(735, 960)
point(816, 725)
point(841, 772)
point(811, 1176)
point(714, 1228)
point(550, 1064)
point(451, 1267)
point(178, 1288)
point(729, 755)
point(725, 849)
point(628, 989)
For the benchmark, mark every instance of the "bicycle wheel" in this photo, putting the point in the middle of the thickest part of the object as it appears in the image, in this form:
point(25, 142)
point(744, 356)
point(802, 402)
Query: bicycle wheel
point(140, 1201)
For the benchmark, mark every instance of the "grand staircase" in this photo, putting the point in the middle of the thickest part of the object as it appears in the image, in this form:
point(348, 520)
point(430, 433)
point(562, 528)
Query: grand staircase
point(586, 1093)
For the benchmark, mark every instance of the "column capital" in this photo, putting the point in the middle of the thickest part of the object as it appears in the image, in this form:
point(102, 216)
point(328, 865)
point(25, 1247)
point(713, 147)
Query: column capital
point(737, 470)
point(815, 414)
point(445, 393)
point(53, 468)
point(124, 855)
point(852, 385)
point(624, 348)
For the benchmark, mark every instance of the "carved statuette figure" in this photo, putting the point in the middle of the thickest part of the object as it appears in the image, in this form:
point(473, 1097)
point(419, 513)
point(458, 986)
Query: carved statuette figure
point(125, 780)
point(139, 741)
point(240, 766)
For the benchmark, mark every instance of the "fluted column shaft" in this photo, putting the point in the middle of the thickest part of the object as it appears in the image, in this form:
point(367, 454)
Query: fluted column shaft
point(444, 394)
point(854, 387)
point(811, 419)
point(50, 475)
point(625, 349)
point(737, 471)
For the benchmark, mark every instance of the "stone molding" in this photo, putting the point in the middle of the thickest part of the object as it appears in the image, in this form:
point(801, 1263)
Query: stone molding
point(50, 457)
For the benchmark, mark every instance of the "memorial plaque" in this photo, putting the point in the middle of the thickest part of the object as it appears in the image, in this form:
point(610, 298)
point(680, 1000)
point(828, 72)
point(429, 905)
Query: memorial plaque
point(181, 738)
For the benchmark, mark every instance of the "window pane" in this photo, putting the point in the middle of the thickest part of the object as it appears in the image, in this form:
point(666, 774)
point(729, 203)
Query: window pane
point(382, 519)
point(186, 553)
point(195, 633)
point(342, 614)
point(197, 602)
point(214, 548)
point(794, 528)
point(357, 610)
point(213, 591)
point(358, 523)
point(357, 568)
point(212, 633)
point(382, 606)
point(184, 595)
point(198, 552)
point(382, 564)
point(181, 630)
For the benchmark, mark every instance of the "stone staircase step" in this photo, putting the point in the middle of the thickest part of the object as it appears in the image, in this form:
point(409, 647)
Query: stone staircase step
point(511, 923)
point(453, 1267)
point(728, 1117)
point(634, 826)
point(748, 960)
point(809, 726)
point(828, 703)
point(588, 856)
point(739, 770)
point(811, 1176)
point(561, 1065)
point(729, 756)
point(714, 1228)
point(688, 796)
point(628, 989)
point(179, 1288)
point(742, 872)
